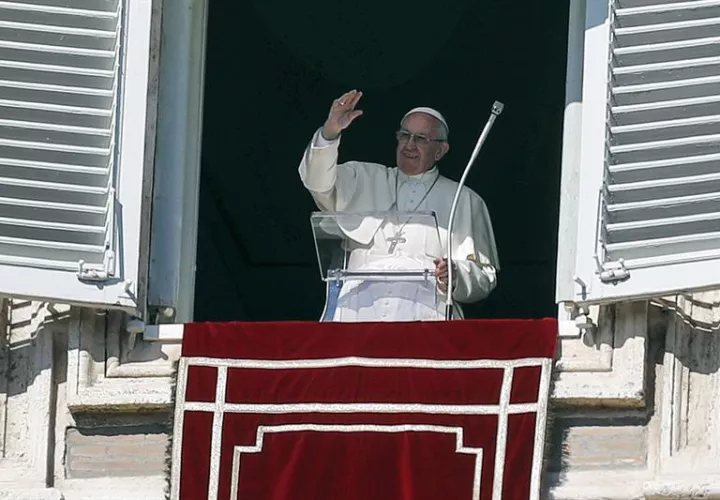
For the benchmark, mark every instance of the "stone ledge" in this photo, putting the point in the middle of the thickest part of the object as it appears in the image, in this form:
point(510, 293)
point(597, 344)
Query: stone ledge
point(163, 333)
point(123, 395)
point(623, 385)
point(637, 485)
point(125, 488)
point(664, 488)
point(597, 484)
point(25, 493)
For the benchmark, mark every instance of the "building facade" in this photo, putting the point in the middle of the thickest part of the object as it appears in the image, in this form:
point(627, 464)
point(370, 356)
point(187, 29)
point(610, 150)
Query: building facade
point(99, 163)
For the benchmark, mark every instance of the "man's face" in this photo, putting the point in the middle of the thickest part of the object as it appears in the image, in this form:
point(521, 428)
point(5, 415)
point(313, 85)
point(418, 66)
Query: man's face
point(418, 148)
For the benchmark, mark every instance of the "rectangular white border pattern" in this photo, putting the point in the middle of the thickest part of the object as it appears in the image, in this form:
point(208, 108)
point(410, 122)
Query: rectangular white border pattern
point(219, 407)
point(262, 430)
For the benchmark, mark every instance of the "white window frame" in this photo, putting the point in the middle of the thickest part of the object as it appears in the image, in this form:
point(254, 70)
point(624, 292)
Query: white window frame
point(583, 174)
point(126, 290)
point(176, 190)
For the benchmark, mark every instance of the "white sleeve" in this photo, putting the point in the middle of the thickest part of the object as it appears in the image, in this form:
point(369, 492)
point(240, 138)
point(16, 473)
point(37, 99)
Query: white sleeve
point(474, 281)
point(318, 168)
point(319, 140)
point(474, 252)
point(321, 176)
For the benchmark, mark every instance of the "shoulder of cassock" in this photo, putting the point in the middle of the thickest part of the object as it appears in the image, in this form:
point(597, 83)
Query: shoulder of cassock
point(472, 219)
point(363, 186)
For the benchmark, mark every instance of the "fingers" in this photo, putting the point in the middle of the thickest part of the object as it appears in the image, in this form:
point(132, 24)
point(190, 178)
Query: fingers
point(354, 115)
point(441, 273)
point(356, 98)
point(340, 101)
point(343, 112)
point(348, 100)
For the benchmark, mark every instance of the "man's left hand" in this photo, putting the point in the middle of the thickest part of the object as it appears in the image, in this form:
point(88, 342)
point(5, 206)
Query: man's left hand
point(441, 273)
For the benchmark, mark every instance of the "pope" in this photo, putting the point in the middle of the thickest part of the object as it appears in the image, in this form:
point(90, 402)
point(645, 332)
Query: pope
point(414, 184)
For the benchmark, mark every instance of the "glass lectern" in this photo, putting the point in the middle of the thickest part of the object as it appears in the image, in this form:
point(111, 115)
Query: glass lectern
point(378, 266)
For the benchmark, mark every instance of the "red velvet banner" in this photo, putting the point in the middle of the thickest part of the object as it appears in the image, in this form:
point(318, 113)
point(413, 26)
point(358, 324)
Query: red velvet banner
point(360, 411)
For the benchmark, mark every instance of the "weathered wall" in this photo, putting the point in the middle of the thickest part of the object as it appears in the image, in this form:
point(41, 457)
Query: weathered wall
point(84, 407)
point(667, 445)
point(104, 445)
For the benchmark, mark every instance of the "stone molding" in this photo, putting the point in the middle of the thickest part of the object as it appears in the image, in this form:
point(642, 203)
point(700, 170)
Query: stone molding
point(108, 369)
point(27, 394)
point(606, 366)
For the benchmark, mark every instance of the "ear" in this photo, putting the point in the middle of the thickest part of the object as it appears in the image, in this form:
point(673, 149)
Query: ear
point(442, 151)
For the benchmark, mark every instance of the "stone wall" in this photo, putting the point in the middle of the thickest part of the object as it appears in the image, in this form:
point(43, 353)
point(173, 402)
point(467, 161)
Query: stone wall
point(105, 445)
point(84, 405)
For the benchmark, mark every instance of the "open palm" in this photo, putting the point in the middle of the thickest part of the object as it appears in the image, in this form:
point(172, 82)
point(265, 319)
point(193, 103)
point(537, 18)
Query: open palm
point(342, 113)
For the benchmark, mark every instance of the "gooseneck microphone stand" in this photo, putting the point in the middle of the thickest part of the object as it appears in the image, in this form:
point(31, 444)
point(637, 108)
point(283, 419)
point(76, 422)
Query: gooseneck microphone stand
point(495, 112)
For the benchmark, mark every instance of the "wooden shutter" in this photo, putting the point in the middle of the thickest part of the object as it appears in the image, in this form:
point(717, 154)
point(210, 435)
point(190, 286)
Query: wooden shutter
point(73, 98)
point(649, 221)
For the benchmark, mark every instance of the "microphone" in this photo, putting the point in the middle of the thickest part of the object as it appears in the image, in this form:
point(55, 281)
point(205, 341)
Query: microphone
point(497, 108)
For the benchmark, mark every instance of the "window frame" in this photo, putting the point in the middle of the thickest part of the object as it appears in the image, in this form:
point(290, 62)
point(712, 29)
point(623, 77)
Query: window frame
point(176, 190)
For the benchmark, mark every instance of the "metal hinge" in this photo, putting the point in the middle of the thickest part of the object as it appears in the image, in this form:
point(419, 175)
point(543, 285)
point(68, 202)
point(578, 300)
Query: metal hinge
point(92, 274)
point(98, 275)
point(613, 272)
point(108, 269)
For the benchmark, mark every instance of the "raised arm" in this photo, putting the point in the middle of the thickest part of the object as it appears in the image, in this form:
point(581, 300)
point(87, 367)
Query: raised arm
point(318, 168)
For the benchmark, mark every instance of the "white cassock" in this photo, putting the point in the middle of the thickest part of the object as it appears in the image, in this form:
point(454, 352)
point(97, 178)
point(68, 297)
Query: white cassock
point(356, 187)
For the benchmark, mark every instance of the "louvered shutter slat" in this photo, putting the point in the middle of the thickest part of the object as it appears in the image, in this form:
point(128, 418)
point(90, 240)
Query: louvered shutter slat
point(59, 65)
point(662, 185)
point(71, 36)
point(43, 264)
point(21, 231)
point(50, 225)
point(49, 250)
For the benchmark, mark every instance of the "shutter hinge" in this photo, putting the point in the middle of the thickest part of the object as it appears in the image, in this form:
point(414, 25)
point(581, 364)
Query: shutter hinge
point(107, 272)
point(613, 272)
point(98, 275)
point(94, 275)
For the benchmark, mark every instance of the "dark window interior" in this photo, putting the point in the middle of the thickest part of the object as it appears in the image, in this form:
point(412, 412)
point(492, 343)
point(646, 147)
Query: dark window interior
point(273, 68)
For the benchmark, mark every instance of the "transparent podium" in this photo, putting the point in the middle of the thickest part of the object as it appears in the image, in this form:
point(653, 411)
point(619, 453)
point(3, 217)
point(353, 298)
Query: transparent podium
point(379, 266)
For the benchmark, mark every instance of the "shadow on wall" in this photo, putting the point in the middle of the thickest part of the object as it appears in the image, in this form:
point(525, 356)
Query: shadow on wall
point(687, 328)
point(27, 345)
point(693, 326)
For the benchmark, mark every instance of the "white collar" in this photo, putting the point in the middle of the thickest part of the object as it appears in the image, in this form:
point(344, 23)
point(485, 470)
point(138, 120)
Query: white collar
point(426, 177)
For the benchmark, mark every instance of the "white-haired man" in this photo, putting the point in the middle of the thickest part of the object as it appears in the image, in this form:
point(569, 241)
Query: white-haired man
point(414, 185)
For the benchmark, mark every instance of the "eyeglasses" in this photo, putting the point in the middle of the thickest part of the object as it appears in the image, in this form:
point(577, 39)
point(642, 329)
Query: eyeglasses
point(420, 140)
